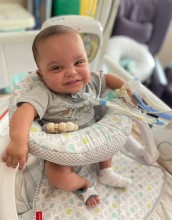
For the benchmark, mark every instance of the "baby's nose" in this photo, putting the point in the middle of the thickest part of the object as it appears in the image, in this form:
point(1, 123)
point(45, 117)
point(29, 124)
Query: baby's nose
point(70, 71)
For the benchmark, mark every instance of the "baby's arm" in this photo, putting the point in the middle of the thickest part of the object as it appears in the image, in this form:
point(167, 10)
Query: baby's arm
point(17, 149)
point(115, 82)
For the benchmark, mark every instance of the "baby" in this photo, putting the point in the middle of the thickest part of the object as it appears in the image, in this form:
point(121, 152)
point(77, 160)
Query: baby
point(63, 71)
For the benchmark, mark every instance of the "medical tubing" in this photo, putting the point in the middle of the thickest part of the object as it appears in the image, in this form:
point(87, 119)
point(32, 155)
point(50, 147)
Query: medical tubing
point(149, 109)
point(99, 101)
point(137, 88)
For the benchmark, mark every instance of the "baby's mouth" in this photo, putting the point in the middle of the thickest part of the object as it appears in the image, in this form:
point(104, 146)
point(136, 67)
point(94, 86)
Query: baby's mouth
point(72, 82)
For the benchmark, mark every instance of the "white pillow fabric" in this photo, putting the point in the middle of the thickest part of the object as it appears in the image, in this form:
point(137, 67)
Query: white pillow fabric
point(122, 47)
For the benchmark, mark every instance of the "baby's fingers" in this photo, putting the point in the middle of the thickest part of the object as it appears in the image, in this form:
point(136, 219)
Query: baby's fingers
point(22, 162)
point(15, 163)
point(8, 160)
point(4, 157)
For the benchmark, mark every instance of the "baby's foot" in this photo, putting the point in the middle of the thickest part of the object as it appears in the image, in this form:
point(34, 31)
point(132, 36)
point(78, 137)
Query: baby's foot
point(93, 201)
point(90, 197)
point(109, 177)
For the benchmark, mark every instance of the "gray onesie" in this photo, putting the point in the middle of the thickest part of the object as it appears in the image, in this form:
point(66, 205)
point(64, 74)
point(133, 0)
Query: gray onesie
point(56, 108)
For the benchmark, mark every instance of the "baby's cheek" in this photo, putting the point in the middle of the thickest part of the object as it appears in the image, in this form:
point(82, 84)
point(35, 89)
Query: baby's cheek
point(88, 77)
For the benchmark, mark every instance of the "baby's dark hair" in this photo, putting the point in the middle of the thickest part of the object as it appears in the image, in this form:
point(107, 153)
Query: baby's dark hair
point(48, 32)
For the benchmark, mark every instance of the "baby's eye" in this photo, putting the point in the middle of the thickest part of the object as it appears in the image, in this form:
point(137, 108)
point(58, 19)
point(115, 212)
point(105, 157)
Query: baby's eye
point(56, 68)
point(80, 62)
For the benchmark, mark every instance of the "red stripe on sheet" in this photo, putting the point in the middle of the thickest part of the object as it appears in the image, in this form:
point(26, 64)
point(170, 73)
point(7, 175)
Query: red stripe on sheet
point(3, 114)
point(39, 215)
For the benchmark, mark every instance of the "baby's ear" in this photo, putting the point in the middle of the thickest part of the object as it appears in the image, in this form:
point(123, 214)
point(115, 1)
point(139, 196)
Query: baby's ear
point(39, 73)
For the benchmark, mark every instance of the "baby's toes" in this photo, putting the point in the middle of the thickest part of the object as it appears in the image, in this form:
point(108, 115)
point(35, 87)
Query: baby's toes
point(93, 201)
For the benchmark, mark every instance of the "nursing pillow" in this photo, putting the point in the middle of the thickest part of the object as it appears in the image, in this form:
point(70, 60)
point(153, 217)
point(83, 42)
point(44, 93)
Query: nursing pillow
point(92, 144)
point(124, 49)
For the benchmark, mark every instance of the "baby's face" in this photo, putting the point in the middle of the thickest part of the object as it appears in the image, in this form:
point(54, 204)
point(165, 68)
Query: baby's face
point(63, 63)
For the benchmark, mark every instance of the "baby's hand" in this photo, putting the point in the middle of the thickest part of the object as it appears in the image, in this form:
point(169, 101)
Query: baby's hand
point(134, 102)
point(15, 154)
point(126, 93)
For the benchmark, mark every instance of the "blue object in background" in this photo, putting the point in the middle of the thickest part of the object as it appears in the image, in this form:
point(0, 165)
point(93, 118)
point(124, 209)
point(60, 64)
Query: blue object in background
point(15, 80)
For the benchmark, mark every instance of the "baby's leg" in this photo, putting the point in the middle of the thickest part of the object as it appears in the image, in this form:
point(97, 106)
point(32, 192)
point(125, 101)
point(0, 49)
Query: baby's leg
point(66, 179)
point(108, 177)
